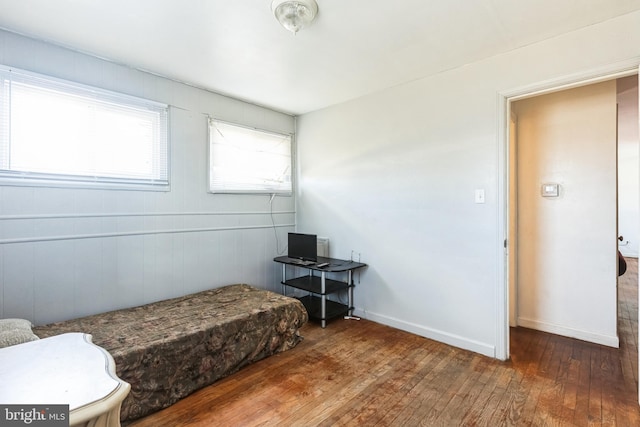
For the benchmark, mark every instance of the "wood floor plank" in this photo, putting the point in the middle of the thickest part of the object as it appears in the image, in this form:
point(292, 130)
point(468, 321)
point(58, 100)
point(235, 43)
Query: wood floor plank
point(453, 382)
point(414, 387)
point(527, 359)
point(595, 391)
point(423, 395)
point(369, 406)
point(466, 396)
point(361, 377)
point(581, 414)
point(482, 404)
point(366, 374)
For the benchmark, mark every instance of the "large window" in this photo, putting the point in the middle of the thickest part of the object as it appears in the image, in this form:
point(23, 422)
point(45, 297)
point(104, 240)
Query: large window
point(244, 160)
point(54, 132)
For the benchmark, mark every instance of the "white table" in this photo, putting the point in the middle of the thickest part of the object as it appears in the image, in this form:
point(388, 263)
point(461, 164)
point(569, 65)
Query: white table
point(64, 369)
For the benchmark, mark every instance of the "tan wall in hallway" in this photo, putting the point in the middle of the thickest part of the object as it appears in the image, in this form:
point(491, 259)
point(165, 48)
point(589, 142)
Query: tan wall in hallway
point(567, 244)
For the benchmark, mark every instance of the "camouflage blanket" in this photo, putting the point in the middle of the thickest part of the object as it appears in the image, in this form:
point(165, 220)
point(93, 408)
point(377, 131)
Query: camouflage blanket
point(168, 349)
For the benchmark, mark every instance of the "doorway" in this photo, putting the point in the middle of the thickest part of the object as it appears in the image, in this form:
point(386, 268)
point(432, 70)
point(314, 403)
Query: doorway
point(565, 216)
point(505, 100)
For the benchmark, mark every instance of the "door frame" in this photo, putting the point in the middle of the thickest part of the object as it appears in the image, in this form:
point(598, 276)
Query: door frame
point(504, 100)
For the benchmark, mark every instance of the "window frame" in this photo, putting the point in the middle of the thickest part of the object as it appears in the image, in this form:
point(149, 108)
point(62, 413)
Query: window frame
point(257, 191)
point(160, 181)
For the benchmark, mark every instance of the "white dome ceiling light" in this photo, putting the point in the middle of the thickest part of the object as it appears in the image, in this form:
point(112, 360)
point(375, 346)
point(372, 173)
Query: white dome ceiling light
point(294, 15)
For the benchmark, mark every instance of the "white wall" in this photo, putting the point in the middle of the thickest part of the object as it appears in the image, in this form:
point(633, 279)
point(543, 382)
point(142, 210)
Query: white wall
point(628, 167)
point(392, 175)
point(567, 250)
point(55, 265)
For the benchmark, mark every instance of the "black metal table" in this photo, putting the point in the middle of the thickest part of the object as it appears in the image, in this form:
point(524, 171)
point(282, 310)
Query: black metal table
point(320, 286)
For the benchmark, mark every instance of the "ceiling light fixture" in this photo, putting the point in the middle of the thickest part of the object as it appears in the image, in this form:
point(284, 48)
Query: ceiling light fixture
point(294, 15)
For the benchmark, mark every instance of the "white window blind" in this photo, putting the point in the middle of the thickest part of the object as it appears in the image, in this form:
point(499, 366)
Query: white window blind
point(54, 132)
point(244, 160)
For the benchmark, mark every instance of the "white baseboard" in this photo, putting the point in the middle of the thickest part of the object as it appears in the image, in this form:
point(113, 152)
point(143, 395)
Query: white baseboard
point(610, 341)
point(436, 335)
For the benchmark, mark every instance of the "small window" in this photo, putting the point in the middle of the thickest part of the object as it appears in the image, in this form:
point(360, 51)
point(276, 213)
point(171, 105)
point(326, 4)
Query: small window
point(59, 133)
point(244, 160)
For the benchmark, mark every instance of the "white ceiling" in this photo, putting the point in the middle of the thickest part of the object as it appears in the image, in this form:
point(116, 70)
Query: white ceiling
point(355, 47)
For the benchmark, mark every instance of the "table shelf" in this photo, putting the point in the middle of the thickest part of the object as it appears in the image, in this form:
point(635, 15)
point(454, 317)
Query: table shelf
point(314, 284)
point(313, 304)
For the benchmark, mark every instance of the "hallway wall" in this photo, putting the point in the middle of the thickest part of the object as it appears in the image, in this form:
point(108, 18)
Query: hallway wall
point(566, 260)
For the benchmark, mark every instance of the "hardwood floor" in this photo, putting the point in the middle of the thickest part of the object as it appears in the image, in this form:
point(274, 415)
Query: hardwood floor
point(359, 373)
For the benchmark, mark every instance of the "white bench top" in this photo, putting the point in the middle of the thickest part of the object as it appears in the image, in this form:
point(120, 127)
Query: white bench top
point(63, 369)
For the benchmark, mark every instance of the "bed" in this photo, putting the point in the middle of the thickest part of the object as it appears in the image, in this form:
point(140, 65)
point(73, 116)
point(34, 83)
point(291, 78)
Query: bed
point(168, 349)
